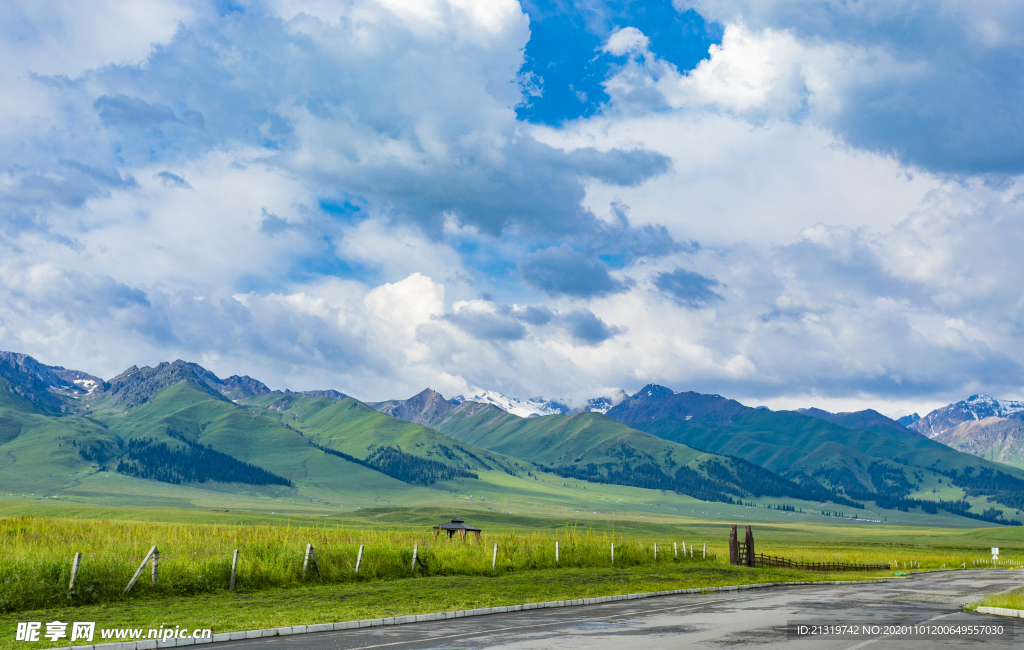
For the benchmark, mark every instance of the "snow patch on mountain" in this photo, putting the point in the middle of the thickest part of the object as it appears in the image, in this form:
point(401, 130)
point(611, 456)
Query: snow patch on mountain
point(541, 406)
point(974, 408)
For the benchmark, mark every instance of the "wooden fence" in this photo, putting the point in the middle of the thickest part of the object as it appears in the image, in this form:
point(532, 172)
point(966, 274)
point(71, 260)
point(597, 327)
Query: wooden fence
point(761, 559)
point(742, 554)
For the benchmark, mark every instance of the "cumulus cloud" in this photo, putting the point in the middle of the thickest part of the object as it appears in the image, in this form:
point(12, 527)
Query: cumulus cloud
point(318, 193)
point(560, 270)
point(689, 288)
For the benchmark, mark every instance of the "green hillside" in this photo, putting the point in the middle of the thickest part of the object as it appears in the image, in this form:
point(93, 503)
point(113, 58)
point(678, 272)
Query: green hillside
point(888, 464)
point(592, 447)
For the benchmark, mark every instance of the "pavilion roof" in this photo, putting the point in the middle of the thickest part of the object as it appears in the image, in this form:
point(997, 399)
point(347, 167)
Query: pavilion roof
point(456, 524)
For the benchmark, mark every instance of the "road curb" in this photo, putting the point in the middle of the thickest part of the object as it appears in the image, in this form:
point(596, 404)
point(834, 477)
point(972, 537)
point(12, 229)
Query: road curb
point(151, 644)
point(1002, 611)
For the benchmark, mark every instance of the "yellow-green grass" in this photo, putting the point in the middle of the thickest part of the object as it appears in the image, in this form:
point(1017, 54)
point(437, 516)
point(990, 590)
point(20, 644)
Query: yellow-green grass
point(1012, 600)
point(307, 604)
point(36, 552)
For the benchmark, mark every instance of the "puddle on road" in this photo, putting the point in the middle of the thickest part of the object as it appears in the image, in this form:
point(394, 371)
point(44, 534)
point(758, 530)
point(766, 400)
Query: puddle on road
point(591, 626)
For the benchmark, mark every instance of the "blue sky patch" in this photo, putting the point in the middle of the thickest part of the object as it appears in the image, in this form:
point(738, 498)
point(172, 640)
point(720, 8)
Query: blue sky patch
point(564, 63)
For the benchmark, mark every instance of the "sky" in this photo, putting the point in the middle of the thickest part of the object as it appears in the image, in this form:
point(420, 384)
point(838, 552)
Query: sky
point(815, 203)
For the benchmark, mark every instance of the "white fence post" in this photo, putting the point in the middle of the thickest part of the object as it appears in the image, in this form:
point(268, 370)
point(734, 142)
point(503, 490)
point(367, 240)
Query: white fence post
point(675, 548)
point(705, 552)
point(234, 568)
point(415, 550)
point(138, 572)
point(556, 552)
point(74, 570)
point(359, 558)
point(655, 551)
point(613, 553)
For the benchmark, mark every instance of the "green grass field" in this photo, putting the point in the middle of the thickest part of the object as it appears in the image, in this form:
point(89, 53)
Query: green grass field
point(196, 546)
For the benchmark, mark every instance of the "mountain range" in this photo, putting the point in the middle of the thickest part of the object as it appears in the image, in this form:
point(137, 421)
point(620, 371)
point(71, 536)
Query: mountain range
point(980, 425)
point(62, 431)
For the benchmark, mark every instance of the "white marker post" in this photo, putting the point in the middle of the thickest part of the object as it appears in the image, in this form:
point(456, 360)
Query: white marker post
point(494, 558)
point(995, 555)
point(359, 558)
point(675, 549)
point(613, 553)
point(556, 553)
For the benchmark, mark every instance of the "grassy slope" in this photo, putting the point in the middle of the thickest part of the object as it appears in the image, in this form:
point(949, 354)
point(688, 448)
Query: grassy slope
point(36, 450)
point(352, 427)
point(327, 485)
point(562, 439)
point(783, 441)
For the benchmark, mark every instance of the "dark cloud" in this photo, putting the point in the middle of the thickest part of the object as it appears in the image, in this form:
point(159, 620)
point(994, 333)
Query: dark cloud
point(687, 288)
point(122, 109)
point(488, 326)
point(271, 224)
point(535, 315)
point(102, 176)
point(560, 270)
point(172, 180)
point(587, 328)
point(618, 166)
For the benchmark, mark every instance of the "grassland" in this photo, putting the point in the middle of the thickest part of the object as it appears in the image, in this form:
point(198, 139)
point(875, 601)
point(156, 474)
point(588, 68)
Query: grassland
point(1012, 600)
point(196, 546)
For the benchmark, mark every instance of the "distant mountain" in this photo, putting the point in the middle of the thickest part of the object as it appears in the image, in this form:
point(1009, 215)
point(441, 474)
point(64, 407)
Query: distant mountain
point(907, 420)
point(178, 422)
point(867, 419)
point(540, 406)
point(39, 384)
point(974, 408)
point(423, 408)
point(884, 463)
point(135, 386)
point(994, 438)
point(589, 446)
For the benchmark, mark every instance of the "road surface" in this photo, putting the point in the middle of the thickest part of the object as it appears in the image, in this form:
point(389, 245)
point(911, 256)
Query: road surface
point(756, 618)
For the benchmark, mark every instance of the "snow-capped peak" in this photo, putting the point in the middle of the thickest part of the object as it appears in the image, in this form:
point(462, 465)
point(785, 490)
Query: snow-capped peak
point(983, 406)
point(540, 406)
point(533, 407)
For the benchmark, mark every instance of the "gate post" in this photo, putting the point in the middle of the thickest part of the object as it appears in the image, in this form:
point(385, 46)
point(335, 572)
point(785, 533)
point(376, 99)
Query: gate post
point(750, 548)
point(734, 551)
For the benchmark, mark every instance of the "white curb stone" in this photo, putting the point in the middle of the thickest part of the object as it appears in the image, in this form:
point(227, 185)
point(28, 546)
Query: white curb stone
point(1002, 611)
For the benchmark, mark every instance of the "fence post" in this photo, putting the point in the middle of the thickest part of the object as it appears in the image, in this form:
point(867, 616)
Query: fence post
point(138, 572)
point(359, 558)
point(415, 550)
point(74, 570)
point(494, 558)
point(675, 549)
point(305, 561)
point(750, 547)
point(734, 547)
point(556, 552)
point(691, 551)
point(613, 553)
point(234, 568)
point(704, 553)
point(655, 551)
point(156, 559)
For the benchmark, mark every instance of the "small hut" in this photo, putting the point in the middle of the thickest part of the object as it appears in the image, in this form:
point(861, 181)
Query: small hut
point(457, 526)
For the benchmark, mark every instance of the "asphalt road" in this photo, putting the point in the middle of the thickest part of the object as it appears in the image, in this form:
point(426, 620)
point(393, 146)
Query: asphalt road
point(750, 619)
